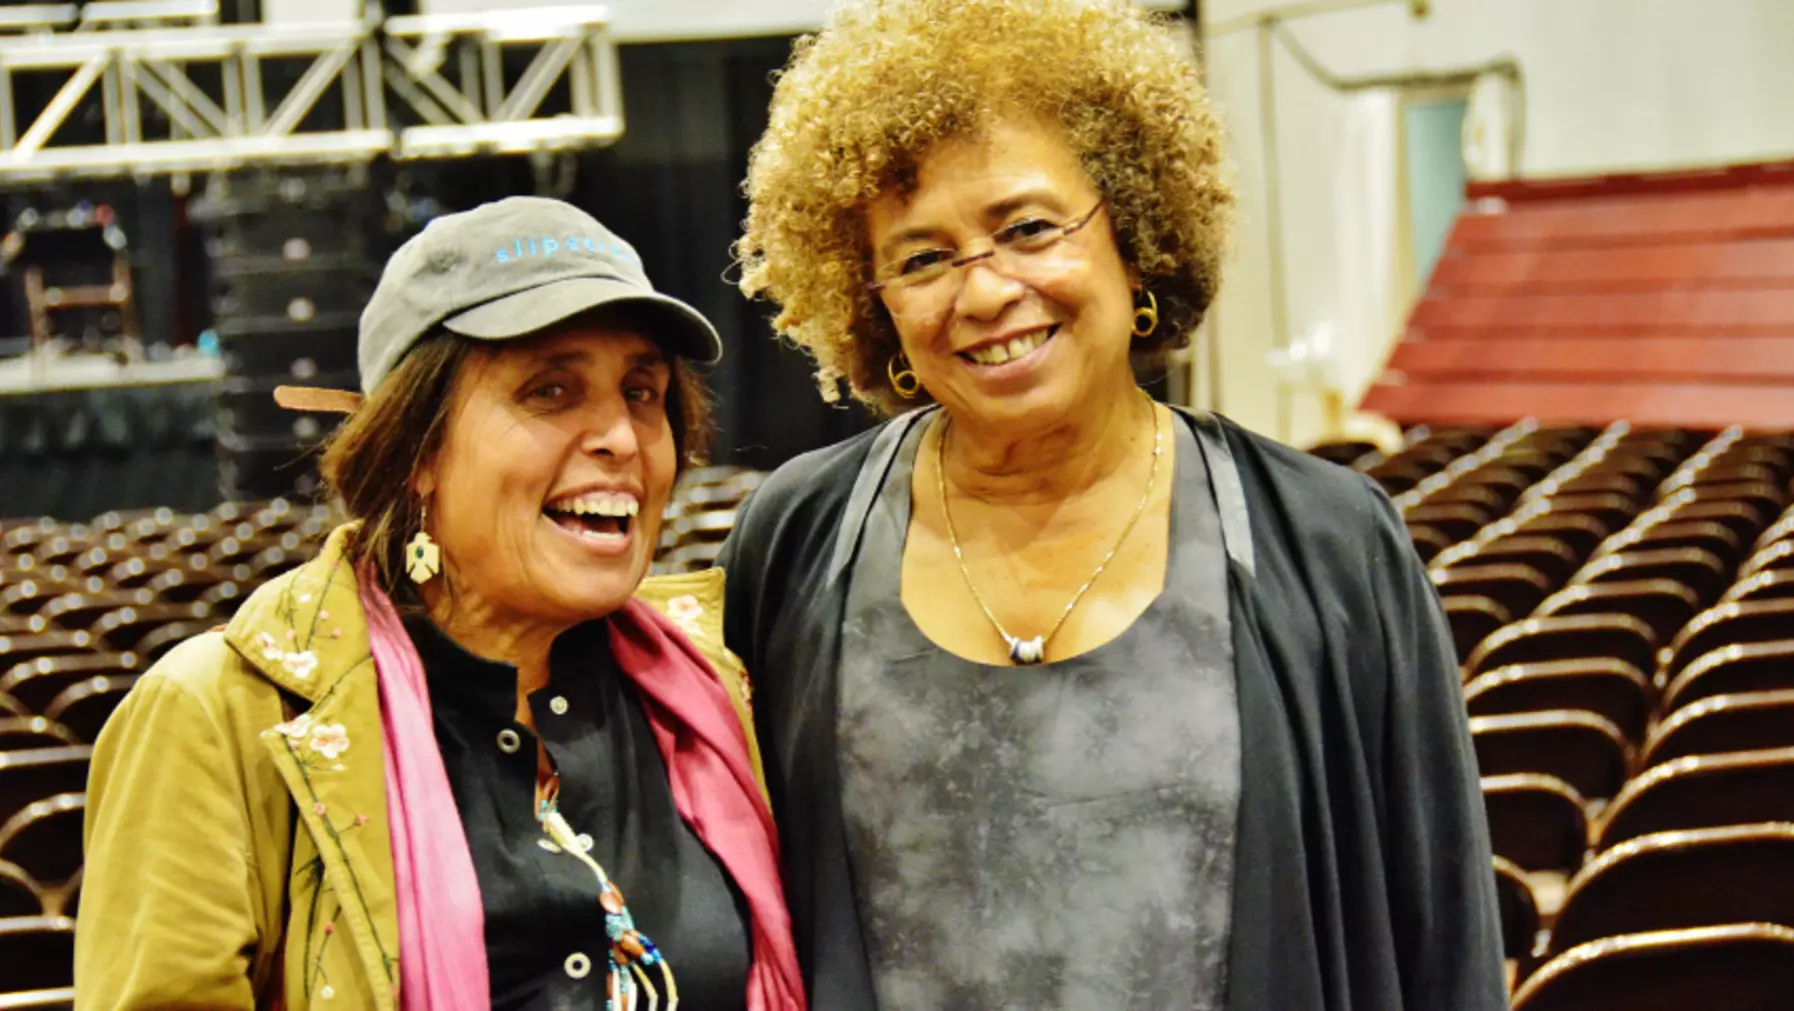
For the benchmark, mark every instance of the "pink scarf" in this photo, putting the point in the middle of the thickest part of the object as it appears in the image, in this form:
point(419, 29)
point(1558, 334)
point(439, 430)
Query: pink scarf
point(442, 929)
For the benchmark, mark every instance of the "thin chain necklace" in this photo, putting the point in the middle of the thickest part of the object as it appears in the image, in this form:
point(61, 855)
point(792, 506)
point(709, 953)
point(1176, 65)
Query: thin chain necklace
point(1027, 652)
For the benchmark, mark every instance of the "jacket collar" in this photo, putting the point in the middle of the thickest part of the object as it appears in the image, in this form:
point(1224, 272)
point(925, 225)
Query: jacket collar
point(306, 632)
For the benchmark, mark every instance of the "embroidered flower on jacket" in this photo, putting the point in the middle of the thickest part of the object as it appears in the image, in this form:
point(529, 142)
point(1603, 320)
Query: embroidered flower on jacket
point(296, 728)
point(685, 612)
point(330, 740)
point(300, 665)
point(270, 648)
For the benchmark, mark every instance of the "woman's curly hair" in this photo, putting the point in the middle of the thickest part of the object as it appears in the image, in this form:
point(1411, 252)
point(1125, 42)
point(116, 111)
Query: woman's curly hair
point(862, 103)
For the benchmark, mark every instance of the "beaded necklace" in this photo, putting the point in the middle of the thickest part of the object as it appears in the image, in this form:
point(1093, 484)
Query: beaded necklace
point(631, 952)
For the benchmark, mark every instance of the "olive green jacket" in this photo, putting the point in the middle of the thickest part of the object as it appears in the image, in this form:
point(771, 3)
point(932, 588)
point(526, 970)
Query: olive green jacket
point(237, 847)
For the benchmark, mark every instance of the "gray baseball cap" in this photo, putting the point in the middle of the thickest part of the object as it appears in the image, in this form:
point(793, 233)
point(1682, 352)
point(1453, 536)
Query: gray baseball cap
point(512, 268)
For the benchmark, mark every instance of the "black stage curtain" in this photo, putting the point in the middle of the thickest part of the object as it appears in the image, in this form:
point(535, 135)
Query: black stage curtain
point(78, 453)
point(672, 187)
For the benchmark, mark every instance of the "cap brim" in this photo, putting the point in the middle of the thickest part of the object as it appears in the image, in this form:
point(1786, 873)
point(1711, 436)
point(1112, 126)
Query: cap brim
point(687, 334)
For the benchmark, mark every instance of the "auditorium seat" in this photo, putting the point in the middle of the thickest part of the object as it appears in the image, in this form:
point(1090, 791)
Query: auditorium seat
point(16, 649)
point(44, 839)
point(1610, 510)
point(38, 952)
point(1782, 529)
point(1666, 880)
point(1546, 555)
point(1608, 687)
point(1738, 967)
point(1715, 538)
point(1769, 585)
point(124, 628)
point(1604, 482)
point(29, 776)
point(1519, 910)
point(1700, 571)
point(1580, 532)
point(1742, 667)
point(19, 895)
point(1741, 518)
point(1662, 604)
point(1752, 721)
point(1731, 624)
point(1536, 821)
point(1703, 791)
point(1517, 588)
point(1473, 619)
point(1580, 748)
point(155, 645)
point(1567, 637)
point(1427, 541)
point(183, 585)
point(79, 610)
point(28, 596)
point(1458, 522)
point(1771, 557)
point(37, 682)
point(22, 624)
point(84, 708)
point(18, 732)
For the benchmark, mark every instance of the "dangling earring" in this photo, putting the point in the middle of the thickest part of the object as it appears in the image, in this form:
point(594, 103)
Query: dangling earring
point(1146, 317)
point(903, 380)
point(423, 559)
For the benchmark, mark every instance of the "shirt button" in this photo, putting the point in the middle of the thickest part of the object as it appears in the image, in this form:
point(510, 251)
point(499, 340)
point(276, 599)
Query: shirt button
point(578, 965)
point(585, 842)
point(508, 741)
point(558, 704)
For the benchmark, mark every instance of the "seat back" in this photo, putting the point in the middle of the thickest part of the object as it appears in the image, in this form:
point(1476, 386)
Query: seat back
point(1744, 667)
point(30, 776)
point(84, 708)
point(1580, 748)
point(1519, 910)
point(1663, 605)
point(1536, 821)
point(1666, 880)
point(1567, 637)
point(1612, 689)
point(38, 952)
point(1739, 967)
point(1705, 791)
point(1473, 619)
point(1728, 624)
point(44, 839)
point(1752, 721)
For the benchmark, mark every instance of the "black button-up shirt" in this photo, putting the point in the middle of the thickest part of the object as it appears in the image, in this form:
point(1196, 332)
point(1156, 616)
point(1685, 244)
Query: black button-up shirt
point(543, 921)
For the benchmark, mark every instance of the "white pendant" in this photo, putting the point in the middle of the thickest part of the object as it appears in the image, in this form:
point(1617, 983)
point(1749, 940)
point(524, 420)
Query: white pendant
point(1027, 652)
point(423, 559)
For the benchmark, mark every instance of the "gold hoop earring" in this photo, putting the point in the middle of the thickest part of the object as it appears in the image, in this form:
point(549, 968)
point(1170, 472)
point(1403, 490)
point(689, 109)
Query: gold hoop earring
point(1146, 317)
point(903, 380)
point(423, 558)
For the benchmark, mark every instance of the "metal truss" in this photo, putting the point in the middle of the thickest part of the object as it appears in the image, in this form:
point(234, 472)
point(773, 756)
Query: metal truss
point(213, 97)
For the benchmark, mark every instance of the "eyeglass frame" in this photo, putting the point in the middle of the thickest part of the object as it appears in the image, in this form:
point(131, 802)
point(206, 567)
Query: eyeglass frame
point(1066, 231)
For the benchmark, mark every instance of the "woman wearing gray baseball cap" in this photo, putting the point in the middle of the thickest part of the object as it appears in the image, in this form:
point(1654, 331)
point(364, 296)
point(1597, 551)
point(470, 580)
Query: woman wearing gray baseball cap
point(469, 757)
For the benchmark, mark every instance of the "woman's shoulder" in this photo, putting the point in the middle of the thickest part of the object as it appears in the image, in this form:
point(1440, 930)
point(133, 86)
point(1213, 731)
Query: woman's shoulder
point(818, 476)
point(1332, 514)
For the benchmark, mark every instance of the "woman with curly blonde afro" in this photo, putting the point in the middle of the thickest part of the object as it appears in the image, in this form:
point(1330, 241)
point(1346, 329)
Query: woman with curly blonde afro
point(1072, 699)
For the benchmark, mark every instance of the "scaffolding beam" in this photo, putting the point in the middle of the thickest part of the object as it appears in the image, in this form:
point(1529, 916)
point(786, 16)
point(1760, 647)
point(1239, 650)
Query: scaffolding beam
point(210, 97)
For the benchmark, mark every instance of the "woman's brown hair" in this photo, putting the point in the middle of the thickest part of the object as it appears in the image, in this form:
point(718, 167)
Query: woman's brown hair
point(373, 459)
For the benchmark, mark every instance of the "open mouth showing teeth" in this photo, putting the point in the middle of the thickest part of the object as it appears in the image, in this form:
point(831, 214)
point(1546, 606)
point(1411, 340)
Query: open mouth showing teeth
point(597, 515)
point(997, 354)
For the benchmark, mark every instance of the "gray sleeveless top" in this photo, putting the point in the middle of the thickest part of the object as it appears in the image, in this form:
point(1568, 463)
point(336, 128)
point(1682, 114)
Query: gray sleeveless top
point(1059, 836)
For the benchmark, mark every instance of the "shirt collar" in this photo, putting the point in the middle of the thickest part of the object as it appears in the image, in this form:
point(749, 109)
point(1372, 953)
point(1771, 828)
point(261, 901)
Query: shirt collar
point(473, 684)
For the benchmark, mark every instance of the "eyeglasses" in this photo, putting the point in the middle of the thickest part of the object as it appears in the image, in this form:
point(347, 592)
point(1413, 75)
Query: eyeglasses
point(1021, 249)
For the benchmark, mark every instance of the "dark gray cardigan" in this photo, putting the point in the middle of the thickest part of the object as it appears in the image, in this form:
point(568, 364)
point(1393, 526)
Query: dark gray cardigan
point(1363, 877)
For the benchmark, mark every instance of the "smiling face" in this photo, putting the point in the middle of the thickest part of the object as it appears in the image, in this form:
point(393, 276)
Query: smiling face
point(1023, 339)
point(554, 472)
